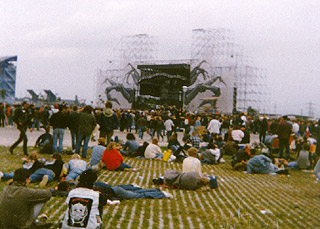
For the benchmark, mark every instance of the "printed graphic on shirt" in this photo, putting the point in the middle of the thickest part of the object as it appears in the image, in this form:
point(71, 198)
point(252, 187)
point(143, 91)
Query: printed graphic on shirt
point(79, 211)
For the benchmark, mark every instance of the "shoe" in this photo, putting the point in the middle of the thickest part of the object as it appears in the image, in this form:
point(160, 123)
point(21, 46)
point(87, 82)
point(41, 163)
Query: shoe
point(167, 194)
point(1, 175)
point(9, 181)
point(44, 181)
point(11, 151)
point(137, 169)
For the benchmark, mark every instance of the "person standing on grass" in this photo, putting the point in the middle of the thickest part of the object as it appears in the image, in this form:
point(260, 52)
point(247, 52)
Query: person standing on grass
point(58, 121)
point(108, 122)
point(284, 132)
point(20, 205)
point(169, 125)
point(73, 119)
point(23, 118)
point(86, 125)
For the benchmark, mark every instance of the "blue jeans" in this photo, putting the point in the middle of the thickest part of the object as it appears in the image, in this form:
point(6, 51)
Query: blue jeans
point(58, 135)
point(127, 192)
point(123, 166)
point(36, 124)
point(39, 173)
point(7, 176)
point(73, 139)
point(85, 138)
point(141, 130)
point(72, 175)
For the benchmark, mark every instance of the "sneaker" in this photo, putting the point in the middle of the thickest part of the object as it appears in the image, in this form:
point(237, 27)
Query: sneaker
point(167, 194)
point(137, 169)
point(1, 175)
point(213, 182)
point(9, 181)
point(44, 181)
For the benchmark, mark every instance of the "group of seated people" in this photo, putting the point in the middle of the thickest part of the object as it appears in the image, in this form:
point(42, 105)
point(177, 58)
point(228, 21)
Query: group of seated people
point(78, 183)
point(266, 163)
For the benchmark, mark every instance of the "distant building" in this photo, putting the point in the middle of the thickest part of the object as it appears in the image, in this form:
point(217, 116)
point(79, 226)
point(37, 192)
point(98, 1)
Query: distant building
point(8, 79)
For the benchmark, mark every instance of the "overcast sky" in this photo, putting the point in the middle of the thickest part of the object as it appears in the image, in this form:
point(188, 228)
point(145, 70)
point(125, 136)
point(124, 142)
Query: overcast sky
point(61, 44)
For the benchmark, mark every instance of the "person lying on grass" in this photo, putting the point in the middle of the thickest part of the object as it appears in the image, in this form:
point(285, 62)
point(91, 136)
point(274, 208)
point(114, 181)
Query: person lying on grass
point(188, 180)
point(117, 192)
point(32, 163)
point(51, 170)
point(75, 167)
point(113, 159)
point(85, 205)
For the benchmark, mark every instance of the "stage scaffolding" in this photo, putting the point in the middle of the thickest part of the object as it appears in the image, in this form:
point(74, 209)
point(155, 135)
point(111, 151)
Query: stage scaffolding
point(215, 48)
point(218, 47)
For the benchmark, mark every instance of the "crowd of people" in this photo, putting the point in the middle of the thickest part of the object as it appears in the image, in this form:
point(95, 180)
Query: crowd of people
point(283, 144)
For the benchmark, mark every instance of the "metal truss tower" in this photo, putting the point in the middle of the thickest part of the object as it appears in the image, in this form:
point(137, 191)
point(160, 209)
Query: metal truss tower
point(134, 49)
point(8, 78)
point(218, 48)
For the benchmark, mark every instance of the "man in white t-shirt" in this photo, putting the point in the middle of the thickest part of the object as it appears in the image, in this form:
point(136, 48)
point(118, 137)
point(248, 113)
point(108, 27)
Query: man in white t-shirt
point(214, 126)
point(168, 125)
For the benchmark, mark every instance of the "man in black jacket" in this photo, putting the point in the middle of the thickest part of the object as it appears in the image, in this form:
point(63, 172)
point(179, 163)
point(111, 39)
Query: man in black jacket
point(58, 121)
point(108, 121)
point(23, 118)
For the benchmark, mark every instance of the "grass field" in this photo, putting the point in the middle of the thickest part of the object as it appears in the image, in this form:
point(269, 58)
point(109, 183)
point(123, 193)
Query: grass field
point(241, 201)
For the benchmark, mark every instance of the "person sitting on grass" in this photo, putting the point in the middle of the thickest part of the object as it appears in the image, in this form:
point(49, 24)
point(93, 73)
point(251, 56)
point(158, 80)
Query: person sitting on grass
point(195, 140)
point(239, 159)
point(153, 150)
point(130, 147)
point(85, 206)
point(173, 143)
point(97, 152)
point(304, 157)
point(32, 163)
point(211, 155)
point(52, 170)
point(192, 163)
point(20, 205)
point(45, 142)
point(188, 181)
point(75, 167)
point(113, 159)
